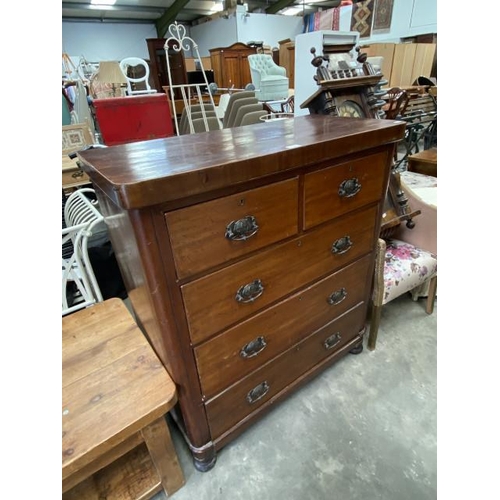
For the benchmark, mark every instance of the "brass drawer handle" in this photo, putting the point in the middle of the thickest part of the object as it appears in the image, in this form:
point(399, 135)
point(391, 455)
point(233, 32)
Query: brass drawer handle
point(250, 291)
point(342, 245)
point(332, 341)
point(258, 392)
point(78, 174)
point(242, 229)
point(349, 187)
point(253, 347)
point(337, 297)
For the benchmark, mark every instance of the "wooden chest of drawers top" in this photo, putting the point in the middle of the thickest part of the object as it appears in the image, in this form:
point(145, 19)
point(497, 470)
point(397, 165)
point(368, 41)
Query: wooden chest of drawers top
point(167, 170)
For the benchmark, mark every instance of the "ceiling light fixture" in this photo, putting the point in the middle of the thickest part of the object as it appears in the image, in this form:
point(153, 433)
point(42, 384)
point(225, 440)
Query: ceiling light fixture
point(217, 7)
point(102, 2)
point(291, 11)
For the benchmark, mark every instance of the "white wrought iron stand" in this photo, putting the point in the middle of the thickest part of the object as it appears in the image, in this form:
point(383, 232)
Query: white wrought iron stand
point(188, 91)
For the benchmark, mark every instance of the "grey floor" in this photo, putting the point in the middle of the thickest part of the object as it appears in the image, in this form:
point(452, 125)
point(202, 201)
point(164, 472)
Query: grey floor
point(364, 429)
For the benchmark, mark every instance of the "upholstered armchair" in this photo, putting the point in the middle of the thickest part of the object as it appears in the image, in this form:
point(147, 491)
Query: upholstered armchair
point(269, 79)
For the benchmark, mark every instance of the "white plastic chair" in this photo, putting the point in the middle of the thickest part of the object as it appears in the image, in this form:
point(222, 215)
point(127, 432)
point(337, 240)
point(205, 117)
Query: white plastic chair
point(83, 220)
point(136, 61)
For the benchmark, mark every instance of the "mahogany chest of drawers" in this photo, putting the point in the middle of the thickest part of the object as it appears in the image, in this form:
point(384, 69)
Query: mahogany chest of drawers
point(248, 256)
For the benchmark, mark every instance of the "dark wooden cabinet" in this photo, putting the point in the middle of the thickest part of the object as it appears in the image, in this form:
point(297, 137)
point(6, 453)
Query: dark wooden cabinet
point(158, 65)
point(248, 262)
point(230, 65)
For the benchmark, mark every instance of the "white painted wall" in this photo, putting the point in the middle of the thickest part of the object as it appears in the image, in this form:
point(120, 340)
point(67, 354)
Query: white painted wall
point(106, 41)
point(217, 33)
point(268, 28)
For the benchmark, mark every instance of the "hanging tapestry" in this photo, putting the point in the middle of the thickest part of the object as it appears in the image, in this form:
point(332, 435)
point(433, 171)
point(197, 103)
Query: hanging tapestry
point(361, 19)
point(382, 15)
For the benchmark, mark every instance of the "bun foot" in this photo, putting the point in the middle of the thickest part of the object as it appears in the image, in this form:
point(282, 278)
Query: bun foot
point(358, 349)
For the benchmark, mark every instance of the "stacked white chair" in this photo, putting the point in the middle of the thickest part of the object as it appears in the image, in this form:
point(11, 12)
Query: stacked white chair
point(83, 222)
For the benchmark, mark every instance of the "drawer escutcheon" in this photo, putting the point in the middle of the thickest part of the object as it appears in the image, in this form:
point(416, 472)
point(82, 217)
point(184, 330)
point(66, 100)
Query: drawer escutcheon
point(258, 392)
point(242, 229)
point(349, 187)
point(332, 341)
point(253, 347)
point(342, 245)
point(337, 297)
point(249, 292)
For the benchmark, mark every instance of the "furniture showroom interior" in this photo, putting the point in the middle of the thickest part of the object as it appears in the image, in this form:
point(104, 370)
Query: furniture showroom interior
point(249, 249)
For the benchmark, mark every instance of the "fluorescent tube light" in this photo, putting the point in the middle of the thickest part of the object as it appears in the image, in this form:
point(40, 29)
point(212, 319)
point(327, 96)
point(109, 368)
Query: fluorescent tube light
point(102, 2)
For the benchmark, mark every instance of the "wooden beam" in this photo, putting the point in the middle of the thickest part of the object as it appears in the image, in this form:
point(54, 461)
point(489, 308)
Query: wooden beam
point(168, 18)
point(277, 6)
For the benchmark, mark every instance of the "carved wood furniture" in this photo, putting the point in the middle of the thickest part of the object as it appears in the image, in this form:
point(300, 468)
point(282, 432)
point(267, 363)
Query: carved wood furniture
point(115, 395)
point(347, 86)
point(248, 256)
point(287, 59)
point(158, 62)
point(230, 65)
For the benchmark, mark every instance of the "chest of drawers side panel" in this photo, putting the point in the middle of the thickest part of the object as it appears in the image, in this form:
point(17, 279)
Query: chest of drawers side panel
point(134, 235)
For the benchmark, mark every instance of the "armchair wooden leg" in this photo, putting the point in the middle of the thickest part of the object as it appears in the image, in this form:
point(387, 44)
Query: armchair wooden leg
point(374, 324)
point(429, 308)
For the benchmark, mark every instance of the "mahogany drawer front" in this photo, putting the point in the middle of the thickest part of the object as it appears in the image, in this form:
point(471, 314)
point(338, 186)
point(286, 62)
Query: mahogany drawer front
point(241, 349)
point(243, 398)
point(212, 303)
point(198, 233)
point(74, 177)
point(337, 190)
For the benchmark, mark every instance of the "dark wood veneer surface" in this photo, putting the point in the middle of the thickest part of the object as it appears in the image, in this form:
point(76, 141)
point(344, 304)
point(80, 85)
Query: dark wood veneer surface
point(146, 173)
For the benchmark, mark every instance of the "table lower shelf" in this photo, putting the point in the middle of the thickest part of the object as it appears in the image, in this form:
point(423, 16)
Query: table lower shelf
point(132, 476)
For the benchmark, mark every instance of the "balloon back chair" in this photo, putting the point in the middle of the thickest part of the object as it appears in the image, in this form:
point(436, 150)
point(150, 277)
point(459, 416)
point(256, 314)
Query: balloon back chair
point(134, 82)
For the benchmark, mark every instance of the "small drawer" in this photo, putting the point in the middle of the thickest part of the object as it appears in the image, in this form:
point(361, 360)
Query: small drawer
point(224, 297)
point(249, 394)
point(74, 177)
point(240, 350)
point(336, 190)
point(217, 231)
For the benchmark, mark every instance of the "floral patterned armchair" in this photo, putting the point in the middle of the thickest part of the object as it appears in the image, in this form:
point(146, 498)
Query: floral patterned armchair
point(400, 267)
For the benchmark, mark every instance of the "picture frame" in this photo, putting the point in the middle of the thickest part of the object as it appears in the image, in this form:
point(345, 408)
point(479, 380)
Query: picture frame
point(75, 137)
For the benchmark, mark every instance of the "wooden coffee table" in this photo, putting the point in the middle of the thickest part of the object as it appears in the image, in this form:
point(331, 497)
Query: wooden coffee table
point(115, 394)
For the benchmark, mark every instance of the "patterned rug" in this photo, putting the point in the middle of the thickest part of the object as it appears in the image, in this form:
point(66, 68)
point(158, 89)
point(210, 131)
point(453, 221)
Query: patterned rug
point(327, 19)
point(382, 15)
point(361, 19)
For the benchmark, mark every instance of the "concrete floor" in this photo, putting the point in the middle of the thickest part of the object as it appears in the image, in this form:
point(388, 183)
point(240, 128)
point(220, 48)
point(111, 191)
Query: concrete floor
point(364, 429)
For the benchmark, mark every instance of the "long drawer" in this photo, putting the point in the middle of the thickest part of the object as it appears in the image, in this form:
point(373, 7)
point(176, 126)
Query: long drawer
point(336, 190)
point(217, 231)
point(238, 351)
point(246, 287)
point(240, 400)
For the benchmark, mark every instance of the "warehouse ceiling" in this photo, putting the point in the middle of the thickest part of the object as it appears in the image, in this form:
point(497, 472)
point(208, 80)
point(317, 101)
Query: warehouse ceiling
point(189, 12)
